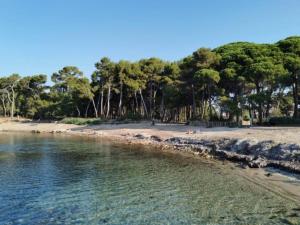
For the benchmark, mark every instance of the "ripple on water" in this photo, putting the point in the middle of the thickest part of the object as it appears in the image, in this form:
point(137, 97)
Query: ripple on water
point(49, 180)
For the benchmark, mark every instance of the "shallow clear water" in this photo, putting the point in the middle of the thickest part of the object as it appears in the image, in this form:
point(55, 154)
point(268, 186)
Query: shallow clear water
point(68, 180)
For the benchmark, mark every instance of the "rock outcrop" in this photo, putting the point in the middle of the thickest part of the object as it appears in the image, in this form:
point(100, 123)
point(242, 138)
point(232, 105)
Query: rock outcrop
point(254, 153)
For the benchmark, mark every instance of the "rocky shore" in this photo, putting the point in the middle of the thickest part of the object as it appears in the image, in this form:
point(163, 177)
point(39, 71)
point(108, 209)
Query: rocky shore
point(254, 154)
point(277, 147)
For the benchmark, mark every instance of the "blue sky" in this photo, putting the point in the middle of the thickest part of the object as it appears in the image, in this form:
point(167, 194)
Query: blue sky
point(42, 36)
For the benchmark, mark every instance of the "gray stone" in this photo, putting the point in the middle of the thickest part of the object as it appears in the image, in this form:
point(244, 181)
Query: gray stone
point(156, 138)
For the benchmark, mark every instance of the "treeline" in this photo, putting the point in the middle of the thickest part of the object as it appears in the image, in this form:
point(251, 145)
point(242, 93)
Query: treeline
point(236, 81)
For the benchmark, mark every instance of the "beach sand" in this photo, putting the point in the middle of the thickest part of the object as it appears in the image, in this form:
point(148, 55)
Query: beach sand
point(164, 131)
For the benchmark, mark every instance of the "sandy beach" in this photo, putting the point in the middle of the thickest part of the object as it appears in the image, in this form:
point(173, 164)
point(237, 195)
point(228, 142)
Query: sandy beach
point(126, 131)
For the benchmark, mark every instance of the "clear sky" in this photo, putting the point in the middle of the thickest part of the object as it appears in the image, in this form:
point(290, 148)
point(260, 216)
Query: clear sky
point(42, 36)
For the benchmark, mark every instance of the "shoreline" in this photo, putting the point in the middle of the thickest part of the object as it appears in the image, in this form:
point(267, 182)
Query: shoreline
point(251, 147)
point(200, 144)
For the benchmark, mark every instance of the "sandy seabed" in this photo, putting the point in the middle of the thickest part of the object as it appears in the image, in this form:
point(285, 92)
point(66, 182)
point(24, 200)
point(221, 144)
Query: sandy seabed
point(281, 182)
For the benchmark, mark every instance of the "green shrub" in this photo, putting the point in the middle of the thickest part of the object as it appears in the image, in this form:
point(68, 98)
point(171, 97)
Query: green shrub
point(285, 121)
point(246, 118)
point(82, 121)
point(98, 121)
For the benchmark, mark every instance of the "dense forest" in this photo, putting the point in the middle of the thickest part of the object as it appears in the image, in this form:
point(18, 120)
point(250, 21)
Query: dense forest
point(236, 81)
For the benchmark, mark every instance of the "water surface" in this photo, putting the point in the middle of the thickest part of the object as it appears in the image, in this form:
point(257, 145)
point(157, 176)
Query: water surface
point(75, 180)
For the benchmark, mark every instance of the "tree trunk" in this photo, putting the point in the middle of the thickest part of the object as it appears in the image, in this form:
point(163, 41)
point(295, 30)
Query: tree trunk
point(237, 113)
point(108, 102)
point(268, 109)
point(202, 110)
point(98, 100)
point(260, 106)
point(162, 106)
point(136, 102)
point(154, 103)
point(3, 106)
point(251, 114)
point(87, 109)
point(120, 101)
point(194, 102)
point(210, 109)
point(296, 99)
point(210, 104)
point(101, 104)
point(187, 112)
point(205, 108)
point(12, 104)
point(151, 99)
point(95, 108)
point(78, 111)
point(143, 102)
point(269, 102)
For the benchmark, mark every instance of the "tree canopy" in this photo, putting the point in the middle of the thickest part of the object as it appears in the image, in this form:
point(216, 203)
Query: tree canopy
point(228, 83)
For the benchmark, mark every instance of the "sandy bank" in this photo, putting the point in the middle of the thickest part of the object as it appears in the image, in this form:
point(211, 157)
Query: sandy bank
point(164, 131)
point(256, 147)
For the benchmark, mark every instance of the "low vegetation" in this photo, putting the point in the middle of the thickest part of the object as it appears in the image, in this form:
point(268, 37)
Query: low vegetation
point(82, 121)
point(284, 121)
point(96, 121)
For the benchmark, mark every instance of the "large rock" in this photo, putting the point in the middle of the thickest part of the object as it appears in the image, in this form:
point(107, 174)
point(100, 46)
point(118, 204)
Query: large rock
point(140, 136)
point(255, 154)
point(156, 138)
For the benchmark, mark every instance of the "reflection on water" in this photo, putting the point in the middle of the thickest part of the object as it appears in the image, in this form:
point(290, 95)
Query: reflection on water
point(67, 180)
